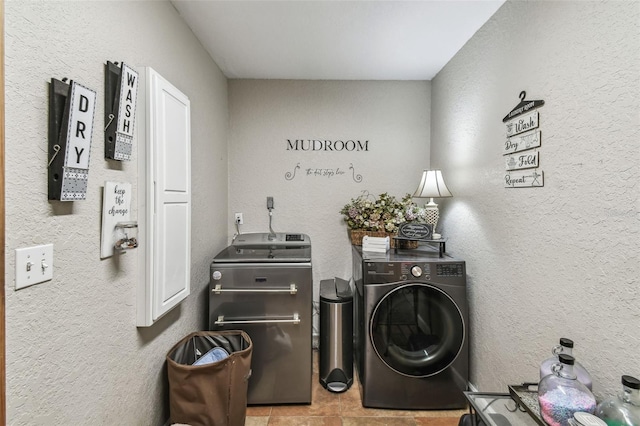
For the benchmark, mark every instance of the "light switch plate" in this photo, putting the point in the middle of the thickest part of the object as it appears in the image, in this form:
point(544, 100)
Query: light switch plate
point(34, 265)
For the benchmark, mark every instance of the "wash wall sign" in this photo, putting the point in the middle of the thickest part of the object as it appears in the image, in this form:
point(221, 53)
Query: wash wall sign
point(523, 138)
point(325, 145)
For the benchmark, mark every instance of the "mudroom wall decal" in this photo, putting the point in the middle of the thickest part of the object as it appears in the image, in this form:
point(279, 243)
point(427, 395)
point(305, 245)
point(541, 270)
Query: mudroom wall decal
point(523, 138)
point(324, 145)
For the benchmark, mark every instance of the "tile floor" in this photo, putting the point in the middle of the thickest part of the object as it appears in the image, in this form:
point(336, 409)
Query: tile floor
point(344, 409)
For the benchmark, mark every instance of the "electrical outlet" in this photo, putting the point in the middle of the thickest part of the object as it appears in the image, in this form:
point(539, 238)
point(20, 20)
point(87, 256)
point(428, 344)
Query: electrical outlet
point(269, 203)
point(239, 219)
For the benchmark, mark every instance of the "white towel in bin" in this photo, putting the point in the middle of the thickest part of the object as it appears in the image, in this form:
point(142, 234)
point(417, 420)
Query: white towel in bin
point(375, 244)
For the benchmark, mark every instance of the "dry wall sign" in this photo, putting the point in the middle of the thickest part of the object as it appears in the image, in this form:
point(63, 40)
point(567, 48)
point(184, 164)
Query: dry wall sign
point(71, 111)
point(331, 171)
point(523, 137)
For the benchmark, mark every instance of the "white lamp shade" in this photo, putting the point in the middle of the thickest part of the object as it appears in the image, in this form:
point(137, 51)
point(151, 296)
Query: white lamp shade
point(432, 185)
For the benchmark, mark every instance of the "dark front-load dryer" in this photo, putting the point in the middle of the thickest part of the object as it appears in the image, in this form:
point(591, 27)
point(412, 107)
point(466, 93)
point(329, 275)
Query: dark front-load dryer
point(411, 329)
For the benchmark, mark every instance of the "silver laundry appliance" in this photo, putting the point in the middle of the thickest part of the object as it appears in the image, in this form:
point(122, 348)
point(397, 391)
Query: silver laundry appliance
point(411, 329)
point(262, 284)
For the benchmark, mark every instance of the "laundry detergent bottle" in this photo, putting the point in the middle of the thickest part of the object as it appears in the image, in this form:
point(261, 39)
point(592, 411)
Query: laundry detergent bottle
point(565, 347)
point(561, 395)
point(624, 408)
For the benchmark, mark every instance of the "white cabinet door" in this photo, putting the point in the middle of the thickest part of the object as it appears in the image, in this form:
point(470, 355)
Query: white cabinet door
point(167, 206)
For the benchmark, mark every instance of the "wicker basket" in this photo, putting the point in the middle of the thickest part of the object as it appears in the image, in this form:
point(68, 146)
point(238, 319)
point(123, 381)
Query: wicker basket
point(356, 236)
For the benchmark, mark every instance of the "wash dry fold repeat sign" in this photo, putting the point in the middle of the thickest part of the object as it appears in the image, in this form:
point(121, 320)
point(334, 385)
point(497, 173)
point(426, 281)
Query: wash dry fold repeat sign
point(521, 154)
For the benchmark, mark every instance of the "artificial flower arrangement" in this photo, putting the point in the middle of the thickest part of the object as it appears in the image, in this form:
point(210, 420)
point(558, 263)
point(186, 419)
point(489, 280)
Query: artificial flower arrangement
point(382, 214)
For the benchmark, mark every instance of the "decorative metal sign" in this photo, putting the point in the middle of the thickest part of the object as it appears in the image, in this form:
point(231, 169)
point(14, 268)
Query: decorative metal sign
point(523, 124)
point(522, 142)
point(524, 179)
point(525, 160)
point(521, 164)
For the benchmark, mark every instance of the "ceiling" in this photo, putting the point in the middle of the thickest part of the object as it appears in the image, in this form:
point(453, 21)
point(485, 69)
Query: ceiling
point(334, 40)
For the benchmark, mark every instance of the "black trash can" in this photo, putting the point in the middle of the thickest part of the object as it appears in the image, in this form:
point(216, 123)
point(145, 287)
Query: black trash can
point(208, 377)
point(336, 335)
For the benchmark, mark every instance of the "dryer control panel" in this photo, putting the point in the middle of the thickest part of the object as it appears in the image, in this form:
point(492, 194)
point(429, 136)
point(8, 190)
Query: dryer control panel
point(450, 270)
point(415, 270)
point(385, 272)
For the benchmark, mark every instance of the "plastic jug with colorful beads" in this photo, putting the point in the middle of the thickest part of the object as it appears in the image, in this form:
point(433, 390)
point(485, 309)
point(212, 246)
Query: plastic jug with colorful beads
point(565, 347)
point(560, 394)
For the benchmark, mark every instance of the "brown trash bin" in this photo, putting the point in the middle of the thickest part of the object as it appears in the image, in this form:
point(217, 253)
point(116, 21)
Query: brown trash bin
point(213, 394)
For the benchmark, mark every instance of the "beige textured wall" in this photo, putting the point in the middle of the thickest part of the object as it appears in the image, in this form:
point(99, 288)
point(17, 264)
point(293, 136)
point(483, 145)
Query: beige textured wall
point(562, 260)
point(392, 115)
point(74, 355)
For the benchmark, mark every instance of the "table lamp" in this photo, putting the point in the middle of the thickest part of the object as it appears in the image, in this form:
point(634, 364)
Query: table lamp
point(432, 186)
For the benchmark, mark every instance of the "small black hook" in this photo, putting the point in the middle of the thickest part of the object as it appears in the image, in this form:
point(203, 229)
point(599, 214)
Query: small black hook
point(523, 94)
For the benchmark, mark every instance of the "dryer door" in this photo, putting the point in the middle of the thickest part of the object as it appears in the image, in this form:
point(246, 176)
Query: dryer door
point(417, 330)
